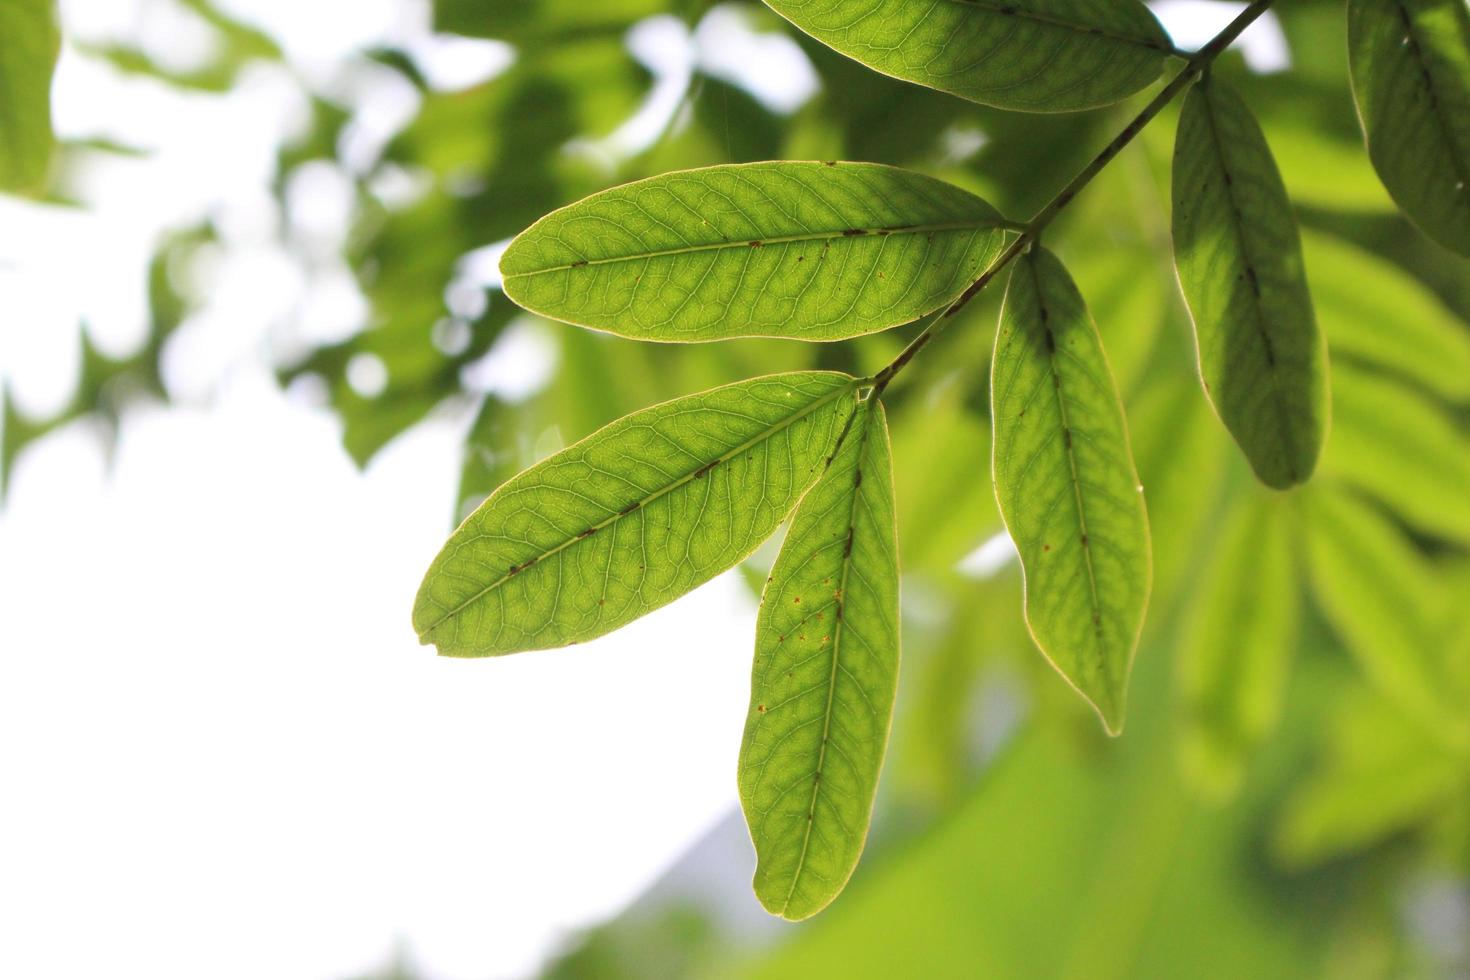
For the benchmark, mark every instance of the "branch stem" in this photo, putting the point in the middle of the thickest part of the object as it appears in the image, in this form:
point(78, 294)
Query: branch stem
point(1198, 63)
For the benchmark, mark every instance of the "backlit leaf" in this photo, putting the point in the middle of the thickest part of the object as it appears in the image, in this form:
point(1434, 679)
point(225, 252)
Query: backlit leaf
point(1411, 77)
point(1239, 256)
point(824, 681)
point(1393, 443)
point(1236, 643)
point(29, 42)
point(1373, 311)
point(632, 517)
point(1067, 486)
point(807, 250)
point(1031, 55)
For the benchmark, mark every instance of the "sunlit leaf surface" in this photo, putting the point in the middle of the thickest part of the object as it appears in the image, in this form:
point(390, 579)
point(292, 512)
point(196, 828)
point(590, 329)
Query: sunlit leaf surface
point(1031, 55)
point(814, 251)
point(825, 677)
point(1236, 245)
point(1411, 76)
point(1067, 486)
point(632, 517)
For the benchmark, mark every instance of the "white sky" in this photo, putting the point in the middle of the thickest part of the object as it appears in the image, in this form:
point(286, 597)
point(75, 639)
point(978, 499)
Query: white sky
point(222, 752)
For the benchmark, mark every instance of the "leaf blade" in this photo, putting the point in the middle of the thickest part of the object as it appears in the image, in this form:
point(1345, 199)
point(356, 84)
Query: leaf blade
point(27, 61)
point(842, 551)
point(540, 564)
point(1410, 66)
point(805, 250)
point(1061, 438)
point(1238, 254)
point(1038, 55)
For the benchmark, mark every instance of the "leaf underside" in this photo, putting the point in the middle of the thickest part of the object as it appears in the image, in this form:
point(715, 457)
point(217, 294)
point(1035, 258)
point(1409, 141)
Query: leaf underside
point(1029, 55)
point(1238, 252)
point(812, 251)
point(1067, 485)
point(1410, 63)
point(632, 517)
point(824, 679)
point(29, 43)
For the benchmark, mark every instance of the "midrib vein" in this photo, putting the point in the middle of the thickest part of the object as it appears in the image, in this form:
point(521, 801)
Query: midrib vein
point(837, 632)
point(1085, 540)
point(1278, 398)
point(1462, 166)
point(747, 243)
point(1011, 10)
point(637, 505)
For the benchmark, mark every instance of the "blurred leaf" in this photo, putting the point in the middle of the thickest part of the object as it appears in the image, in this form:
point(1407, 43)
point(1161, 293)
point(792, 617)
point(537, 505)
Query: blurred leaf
point(1262, 359)
point(1386, 602)
point(1236, 642)
point(825, 678)
point(1182, 458)
point(541, 22)
point(630, 518)
point(1067, 486)
point(1031, 55)
point(31, 42)
point(806, 250)
point(1372, 311)
point(946, 506)
point(1382, 776)
point(1411, 77)
point(1400, 447)
point(1130, 308)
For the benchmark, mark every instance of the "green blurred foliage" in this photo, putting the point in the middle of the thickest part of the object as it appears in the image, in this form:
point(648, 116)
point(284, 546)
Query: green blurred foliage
point(1269, 811)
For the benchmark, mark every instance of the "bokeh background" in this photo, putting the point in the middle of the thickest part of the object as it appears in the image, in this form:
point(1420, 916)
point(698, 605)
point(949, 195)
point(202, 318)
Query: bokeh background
point(255, 364)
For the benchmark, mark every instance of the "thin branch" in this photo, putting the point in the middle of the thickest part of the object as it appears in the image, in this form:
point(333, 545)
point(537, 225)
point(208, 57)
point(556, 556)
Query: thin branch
point(1197, 64)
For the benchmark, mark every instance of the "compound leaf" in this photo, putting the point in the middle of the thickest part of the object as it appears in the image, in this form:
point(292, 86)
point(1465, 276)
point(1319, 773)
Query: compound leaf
point(1067, 485)
point(632, 517)
point(1236, 245)
point(824, 680)
point(1410, 64)
point(1030, 55)
point(1236, 643)
point(29, 43)
point(806, 250)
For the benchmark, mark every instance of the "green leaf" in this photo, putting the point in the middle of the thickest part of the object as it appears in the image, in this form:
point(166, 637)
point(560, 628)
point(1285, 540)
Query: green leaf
point(1383, 775)
point(1261, 357)
point(1411, 78)
point(824, 681)
point(541, 22)
point(632, 517)
point(1236, 641)
point(807, 250)
point(1393, 443)
point(1031, 55)
point(1385, 601)
point(29, 44)
point(1067, 486)
point(1373, 311)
